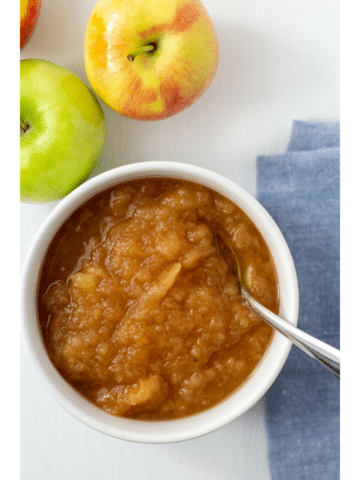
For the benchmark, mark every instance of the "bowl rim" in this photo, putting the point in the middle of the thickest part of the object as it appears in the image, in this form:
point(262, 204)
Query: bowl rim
point(164, 431)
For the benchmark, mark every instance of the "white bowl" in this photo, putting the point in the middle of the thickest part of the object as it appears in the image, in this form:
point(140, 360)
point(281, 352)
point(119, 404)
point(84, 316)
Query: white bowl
point(169, 430)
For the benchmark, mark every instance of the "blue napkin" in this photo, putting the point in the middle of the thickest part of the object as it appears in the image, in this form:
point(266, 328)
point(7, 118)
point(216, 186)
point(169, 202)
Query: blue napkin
point(300, 190)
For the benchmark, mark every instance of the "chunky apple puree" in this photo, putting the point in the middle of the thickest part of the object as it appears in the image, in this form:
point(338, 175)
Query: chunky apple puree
point(139, 303)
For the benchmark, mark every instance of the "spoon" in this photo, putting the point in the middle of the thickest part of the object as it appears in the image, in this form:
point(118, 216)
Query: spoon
point(320, 351)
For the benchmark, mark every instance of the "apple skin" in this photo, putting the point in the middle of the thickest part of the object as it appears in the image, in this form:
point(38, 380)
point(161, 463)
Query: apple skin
point(157, 84)
point(29, 14)
point(66, 131)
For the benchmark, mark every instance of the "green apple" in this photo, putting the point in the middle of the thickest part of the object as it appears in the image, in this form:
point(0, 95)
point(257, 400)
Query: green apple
point(62, 131)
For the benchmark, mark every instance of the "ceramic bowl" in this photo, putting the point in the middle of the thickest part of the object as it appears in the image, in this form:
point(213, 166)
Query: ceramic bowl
point(171, 430)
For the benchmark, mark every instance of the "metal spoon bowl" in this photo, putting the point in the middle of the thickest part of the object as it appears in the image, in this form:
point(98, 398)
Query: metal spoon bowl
point(320, 351)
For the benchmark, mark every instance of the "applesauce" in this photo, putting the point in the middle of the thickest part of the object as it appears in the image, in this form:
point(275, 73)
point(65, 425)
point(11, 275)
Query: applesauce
point(139, 303)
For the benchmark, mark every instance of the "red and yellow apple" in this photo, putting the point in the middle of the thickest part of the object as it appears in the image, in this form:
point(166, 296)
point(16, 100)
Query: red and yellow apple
point(150, 59)
point(29, 14)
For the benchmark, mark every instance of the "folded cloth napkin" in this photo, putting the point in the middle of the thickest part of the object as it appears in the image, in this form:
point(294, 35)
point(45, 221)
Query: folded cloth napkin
point(300, 190)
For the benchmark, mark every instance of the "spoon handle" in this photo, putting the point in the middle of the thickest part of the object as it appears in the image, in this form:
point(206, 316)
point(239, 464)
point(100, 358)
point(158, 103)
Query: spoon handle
point(325, 354)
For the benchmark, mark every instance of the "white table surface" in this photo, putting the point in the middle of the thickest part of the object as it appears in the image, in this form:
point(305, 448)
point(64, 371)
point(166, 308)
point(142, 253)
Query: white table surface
point(279, 61)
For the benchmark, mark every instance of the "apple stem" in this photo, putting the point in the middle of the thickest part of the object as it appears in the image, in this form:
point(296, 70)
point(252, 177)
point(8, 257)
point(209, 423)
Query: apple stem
point(23, 125)
point(146, 48)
